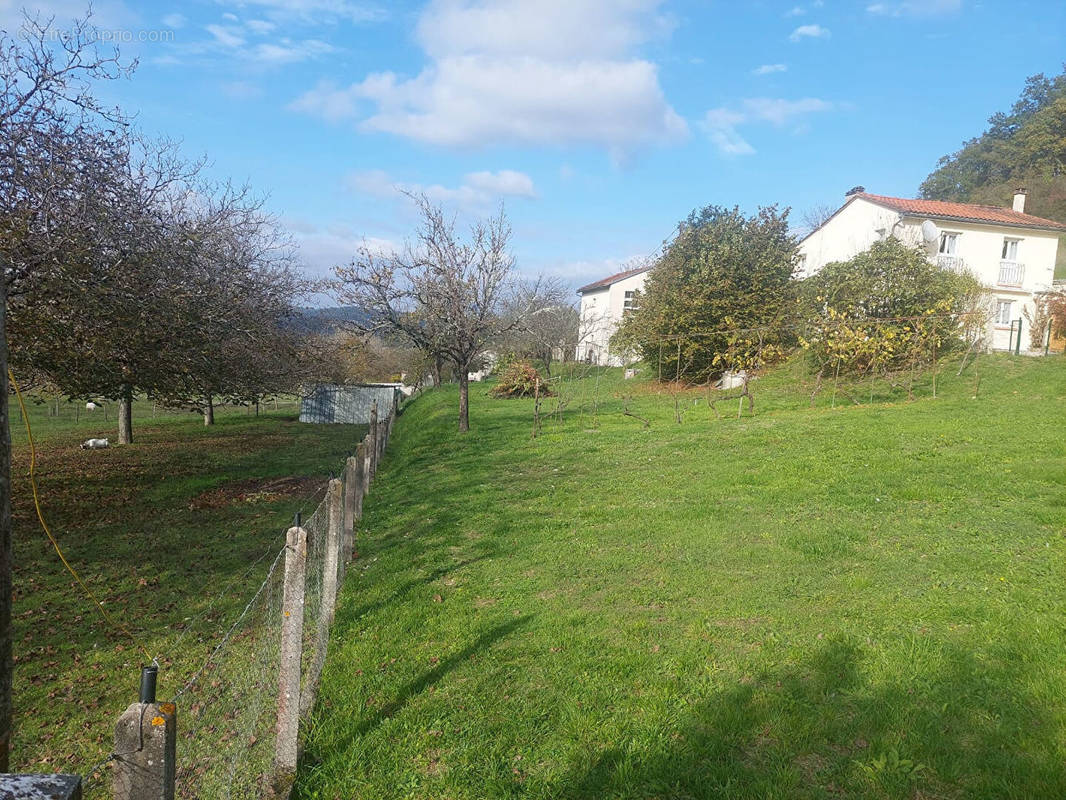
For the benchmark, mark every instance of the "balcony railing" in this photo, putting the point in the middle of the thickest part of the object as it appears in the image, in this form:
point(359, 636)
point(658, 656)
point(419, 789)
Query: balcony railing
point(1011, 273)
point(954, 263)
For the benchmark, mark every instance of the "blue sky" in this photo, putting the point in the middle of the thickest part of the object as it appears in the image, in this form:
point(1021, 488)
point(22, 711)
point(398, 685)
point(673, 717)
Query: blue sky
point(600, 123)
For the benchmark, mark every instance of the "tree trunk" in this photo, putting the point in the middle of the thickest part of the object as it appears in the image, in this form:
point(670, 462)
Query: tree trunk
point(464, 399)
point(209, 411)
point(5, 547)
point(125, 416)
point(438, 365)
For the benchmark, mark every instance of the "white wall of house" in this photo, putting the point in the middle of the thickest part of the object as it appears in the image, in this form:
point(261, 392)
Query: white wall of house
point(849, 232)
point(1013, 273)
point(601, 312)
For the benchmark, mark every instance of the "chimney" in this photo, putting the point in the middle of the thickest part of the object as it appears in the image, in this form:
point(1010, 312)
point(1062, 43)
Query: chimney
point(1019, 199)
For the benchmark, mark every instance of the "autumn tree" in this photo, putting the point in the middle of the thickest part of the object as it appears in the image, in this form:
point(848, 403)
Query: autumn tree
point(45, 101)
point(723, 271)
point(885, 308)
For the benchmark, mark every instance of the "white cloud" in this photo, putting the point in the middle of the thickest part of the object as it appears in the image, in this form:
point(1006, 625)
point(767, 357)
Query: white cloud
point(478, 189)
point(556, 30)
point(287, 51)
point(506, 182)
point(769, 69)
point(321, 249)
point(915, 8)
point(809, 32)
point(240, 90)
point(314, 11)
point(581, 272)
point(519, 72)
point(260, 26)
point(226, 35)
point(174, 21)
point(721, 124)
point(796, 11)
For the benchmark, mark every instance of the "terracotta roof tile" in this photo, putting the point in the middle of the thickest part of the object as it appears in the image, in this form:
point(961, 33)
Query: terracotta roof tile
point(618, 276)
point(963, 212)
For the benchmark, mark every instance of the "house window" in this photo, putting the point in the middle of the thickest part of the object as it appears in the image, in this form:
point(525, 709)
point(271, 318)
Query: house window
point(1010, 249)
point(949, 243)
point(628, 304)
point(1002, 315)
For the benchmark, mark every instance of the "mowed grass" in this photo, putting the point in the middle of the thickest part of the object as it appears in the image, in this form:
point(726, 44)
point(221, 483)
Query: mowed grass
point(859, 601)
point(173, 533)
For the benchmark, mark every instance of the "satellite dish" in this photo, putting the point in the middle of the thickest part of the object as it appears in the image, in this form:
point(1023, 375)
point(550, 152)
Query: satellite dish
point(930, 232)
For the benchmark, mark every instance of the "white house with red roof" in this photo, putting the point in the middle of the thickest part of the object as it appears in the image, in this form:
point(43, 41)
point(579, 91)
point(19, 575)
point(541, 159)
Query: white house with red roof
point(603, 304)
point(1011, 252)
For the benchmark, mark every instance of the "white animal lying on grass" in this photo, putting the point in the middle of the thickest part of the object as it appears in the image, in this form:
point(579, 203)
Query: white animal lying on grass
point(95, 444)
point(91, 406)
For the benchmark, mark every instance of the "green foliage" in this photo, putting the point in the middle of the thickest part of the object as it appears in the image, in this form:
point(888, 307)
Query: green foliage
point(521, 379)
point(1025, 147)
point(885, 308)
point(754, 608)
point(723, 271)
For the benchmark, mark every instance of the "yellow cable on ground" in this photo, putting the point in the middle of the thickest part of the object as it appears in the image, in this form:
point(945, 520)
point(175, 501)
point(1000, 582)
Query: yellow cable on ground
point(59, 551)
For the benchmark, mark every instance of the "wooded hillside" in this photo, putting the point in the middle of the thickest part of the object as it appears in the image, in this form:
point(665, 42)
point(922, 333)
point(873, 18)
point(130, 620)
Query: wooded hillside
point(1023, 147)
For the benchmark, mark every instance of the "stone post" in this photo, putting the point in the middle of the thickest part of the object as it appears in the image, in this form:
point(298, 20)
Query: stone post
point(41, 787)
point(374, 439)
point(333, 545)
point(145, 752)
point(292, 627)
point(368, 473)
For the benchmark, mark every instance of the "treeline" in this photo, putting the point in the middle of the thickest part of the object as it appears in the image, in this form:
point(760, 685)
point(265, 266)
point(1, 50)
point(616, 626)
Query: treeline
point(126, 271)
point(1023, 146)
point(724, 296)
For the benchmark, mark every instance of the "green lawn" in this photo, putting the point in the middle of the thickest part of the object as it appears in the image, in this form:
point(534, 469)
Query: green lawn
point(849, 601)
point(173, 533)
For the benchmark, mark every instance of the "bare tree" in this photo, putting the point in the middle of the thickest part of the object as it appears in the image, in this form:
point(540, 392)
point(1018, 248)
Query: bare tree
point(45, 82)
point(548, 322)
point(815, 217)
point(443, 293)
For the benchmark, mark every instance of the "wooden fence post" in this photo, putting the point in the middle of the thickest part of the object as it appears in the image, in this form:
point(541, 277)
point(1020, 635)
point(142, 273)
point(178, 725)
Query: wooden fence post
point(292, 627)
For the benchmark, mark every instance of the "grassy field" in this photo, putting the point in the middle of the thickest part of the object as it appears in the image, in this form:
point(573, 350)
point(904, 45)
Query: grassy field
point(170, 532)
point(849, 601)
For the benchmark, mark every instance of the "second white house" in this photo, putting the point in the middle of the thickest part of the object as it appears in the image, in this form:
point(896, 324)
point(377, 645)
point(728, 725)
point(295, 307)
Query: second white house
point(1011, 252)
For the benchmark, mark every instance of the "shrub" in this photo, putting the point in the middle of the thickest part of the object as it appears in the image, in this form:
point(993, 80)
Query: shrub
point(887, 308)
point(722, 277)
point(521, 379)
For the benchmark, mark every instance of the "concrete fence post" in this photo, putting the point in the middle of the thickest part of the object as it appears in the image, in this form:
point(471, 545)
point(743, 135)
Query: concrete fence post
point(374, 439)
point(352, 492)
point(328, 601)
point(146, 738)
point(292, 627)
point(333, 548)
point(368, 475)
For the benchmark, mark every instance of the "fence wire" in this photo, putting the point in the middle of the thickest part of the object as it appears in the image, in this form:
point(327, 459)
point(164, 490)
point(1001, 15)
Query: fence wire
point(226, 712)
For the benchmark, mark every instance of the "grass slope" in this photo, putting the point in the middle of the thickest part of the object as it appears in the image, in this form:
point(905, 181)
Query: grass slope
point(828, 602)
point(167, 532)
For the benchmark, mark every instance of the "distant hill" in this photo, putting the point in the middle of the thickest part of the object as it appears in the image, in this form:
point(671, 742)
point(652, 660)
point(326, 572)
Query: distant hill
point(1023, 147)
point(325, 320)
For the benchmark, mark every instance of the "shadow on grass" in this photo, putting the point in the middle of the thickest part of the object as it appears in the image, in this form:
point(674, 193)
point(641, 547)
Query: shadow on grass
point(400, 592)
point(418, 685)
point(824, 729)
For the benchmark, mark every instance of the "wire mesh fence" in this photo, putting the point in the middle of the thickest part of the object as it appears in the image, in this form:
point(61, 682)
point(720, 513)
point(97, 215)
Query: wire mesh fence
point(220, 736)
